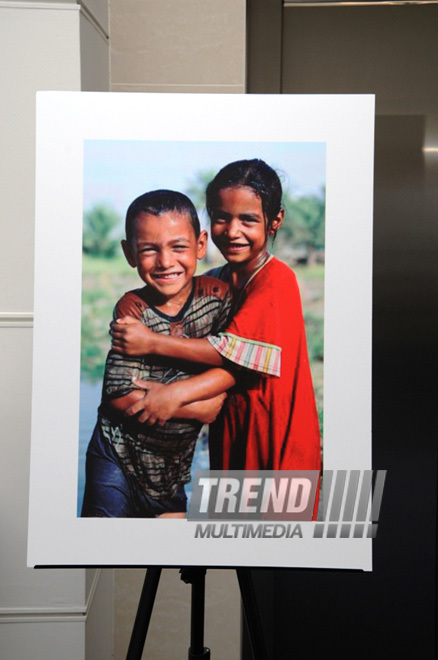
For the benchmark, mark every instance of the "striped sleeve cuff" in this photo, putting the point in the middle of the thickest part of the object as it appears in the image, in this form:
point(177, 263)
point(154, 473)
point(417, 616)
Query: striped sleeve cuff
point(256, 355)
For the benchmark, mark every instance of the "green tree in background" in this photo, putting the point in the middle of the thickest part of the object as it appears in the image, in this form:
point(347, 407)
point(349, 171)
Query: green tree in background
point(196, 192)
point(304, 223)
point(197, 187)
point(99, 224)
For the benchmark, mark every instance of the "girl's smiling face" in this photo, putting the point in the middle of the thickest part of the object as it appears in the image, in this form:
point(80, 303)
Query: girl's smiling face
point(240, 229)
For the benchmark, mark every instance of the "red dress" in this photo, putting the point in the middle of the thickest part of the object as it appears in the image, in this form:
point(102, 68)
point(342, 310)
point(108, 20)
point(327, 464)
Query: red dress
point(268, 422)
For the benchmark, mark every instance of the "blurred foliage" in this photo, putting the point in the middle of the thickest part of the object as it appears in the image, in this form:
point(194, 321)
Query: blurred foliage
point(304, 222)
point(93, 353)
point(315, 336)
point(196, 188)
point(196, 191)
point(99, 224)
point(104, 281)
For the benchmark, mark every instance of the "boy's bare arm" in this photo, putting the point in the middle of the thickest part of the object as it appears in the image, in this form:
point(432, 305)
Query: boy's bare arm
point(122, 403)
point(131, 337)
point(204, 411)
point(164, 401)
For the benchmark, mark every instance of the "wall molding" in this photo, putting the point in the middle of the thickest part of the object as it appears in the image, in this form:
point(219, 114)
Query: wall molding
point(79, 6)
point(73, 613)
point(16, 319)
point(58, 6)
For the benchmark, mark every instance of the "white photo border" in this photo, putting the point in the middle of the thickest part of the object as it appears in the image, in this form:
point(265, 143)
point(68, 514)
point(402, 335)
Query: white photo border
point(64, 120)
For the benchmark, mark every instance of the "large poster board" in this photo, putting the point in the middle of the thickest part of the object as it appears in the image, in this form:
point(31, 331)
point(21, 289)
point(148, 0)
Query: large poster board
point(96, 152)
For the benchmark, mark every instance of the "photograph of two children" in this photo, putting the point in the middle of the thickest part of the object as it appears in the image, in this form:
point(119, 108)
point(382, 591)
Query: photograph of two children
point(208, 316)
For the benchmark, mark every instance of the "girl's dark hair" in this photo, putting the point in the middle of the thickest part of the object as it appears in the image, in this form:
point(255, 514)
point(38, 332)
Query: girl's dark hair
point(156, 202)
point(255, 174)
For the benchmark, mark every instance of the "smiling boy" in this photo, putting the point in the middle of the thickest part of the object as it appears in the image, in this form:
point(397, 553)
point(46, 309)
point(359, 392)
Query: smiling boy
point(135, 469)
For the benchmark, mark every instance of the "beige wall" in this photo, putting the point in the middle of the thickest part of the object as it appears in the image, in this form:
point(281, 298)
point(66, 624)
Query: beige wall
point(175, 46)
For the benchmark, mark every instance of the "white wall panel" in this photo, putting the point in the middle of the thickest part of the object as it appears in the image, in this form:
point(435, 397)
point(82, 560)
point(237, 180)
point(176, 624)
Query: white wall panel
point(24, 591)
point(42, 641)
point(43, 613)
point(40, 47)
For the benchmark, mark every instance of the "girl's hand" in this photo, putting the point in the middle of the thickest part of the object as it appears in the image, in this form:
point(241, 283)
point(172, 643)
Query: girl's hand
point(158, 404)
point(131, 337)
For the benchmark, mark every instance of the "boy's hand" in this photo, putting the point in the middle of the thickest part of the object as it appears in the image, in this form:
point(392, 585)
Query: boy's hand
point(131, 337)
point(157, 405)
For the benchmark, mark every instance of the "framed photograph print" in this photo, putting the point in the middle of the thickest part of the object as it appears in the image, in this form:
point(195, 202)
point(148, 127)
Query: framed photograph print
point(202, 341)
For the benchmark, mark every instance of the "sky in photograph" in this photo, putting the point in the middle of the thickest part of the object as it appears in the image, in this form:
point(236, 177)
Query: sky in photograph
point(118, 171)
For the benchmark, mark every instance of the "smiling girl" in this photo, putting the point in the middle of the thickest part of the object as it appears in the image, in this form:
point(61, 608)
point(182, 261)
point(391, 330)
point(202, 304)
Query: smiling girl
point(269, 419)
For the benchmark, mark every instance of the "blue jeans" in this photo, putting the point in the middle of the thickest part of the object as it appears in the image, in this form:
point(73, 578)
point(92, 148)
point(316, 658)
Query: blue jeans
point(111, 493)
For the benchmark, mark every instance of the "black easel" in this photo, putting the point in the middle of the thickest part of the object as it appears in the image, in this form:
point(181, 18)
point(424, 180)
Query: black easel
point(196, 577)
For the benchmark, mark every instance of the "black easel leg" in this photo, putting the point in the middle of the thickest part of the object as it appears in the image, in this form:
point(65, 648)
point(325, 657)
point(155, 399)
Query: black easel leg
point(144, 613)
point(251, 611)
point(196, 577)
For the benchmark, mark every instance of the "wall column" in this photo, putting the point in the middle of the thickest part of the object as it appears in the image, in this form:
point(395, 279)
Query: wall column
point(43, 613)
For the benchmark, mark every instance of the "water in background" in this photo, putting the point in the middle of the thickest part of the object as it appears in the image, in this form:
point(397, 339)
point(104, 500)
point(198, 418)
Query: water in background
point(89, 402)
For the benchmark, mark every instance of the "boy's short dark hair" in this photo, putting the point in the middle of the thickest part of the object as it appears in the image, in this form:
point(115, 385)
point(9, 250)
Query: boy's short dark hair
point(156, 202)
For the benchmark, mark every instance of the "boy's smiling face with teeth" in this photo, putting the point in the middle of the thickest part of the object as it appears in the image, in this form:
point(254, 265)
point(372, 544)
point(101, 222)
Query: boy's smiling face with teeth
point(165, 250)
